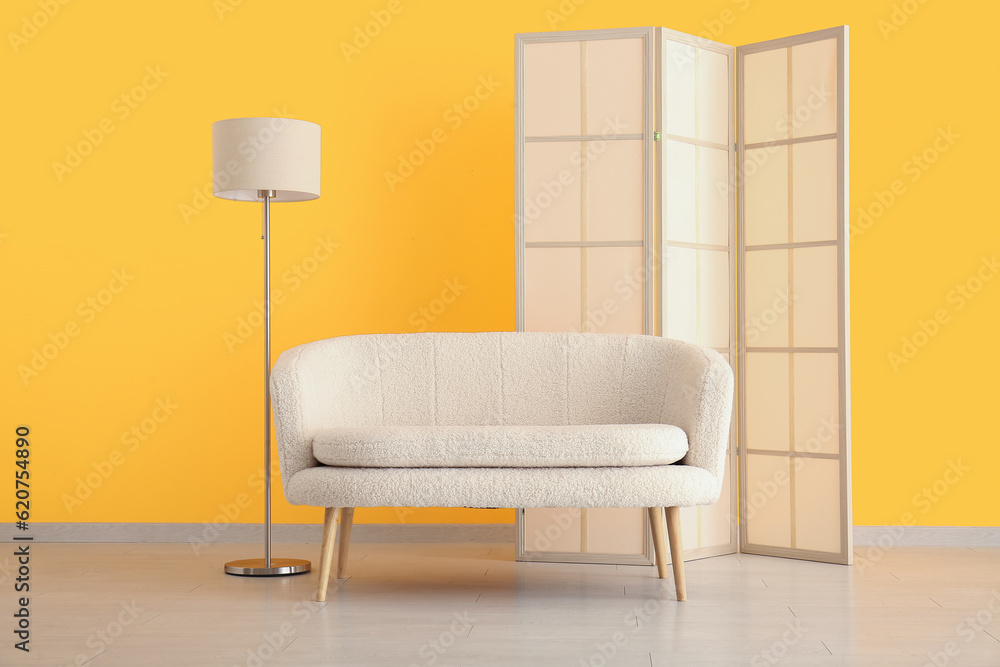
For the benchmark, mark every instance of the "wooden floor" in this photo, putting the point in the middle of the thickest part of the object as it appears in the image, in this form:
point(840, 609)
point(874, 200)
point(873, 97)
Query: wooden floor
point(139, 605)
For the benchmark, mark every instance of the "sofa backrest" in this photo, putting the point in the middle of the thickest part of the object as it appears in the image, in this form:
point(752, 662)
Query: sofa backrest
point(487, 378)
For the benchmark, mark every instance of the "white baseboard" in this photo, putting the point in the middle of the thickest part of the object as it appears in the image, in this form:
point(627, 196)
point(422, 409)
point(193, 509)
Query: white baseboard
point(926, 536)
point(881, 536)
point(250, 532)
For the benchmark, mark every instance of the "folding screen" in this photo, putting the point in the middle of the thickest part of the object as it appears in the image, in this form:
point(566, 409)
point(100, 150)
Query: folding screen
point(626, 223)
point(584, 226)
point(795, 372)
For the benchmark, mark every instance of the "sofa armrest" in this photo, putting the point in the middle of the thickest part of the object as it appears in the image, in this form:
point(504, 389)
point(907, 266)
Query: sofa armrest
point(294, 434)
point(699, 399)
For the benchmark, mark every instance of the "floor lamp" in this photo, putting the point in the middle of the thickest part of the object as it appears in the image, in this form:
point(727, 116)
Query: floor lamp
point(266, 160)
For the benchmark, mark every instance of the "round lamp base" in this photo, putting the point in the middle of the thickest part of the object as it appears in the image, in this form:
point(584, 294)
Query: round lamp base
point(257, 567)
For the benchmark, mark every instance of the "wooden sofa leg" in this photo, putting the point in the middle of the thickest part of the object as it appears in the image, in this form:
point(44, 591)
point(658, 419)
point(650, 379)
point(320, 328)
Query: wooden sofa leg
point(676, 550)
point(346, 521)
point(659, 548)
point(326, 551)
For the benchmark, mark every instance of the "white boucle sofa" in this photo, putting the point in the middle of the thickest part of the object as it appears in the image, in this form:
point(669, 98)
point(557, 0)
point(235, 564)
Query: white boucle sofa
point(501, 419)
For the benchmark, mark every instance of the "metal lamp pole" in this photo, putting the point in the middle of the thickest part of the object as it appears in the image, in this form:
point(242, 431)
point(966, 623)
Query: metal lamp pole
point(267, 566)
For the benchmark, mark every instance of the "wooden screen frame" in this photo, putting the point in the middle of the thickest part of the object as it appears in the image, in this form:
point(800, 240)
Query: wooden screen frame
point(845, 554)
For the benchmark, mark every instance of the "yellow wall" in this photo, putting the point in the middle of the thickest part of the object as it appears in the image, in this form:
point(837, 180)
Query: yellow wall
point(160, 333)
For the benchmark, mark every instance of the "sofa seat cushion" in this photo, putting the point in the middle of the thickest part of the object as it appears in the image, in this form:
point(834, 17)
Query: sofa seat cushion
point(594, 445)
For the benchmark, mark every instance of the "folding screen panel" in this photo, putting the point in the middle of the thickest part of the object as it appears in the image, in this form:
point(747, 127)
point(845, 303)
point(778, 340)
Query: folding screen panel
point(584, 221)
point(794, 373)
point(696, 237)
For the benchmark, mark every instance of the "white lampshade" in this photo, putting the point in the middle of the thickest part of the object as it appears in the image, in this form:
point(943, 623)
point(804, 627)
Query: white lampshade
point(251, 154)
